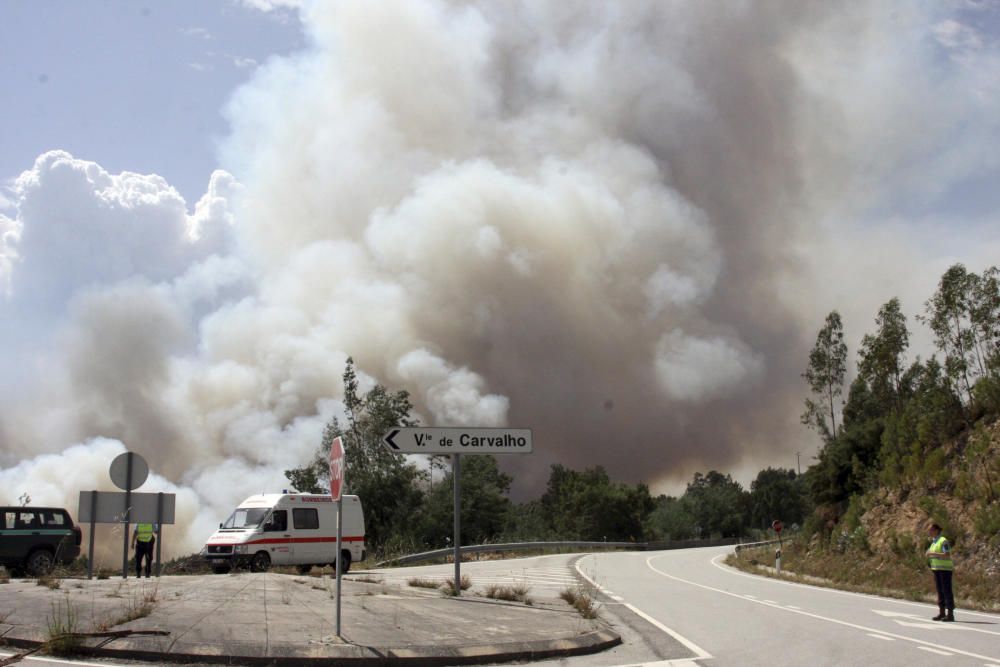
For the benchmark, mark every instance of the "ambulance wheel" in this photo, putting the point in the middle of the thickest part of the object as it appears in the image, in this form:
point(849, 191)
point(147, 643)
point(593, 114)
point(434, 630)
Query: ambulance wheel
point(304, 569)
point(221, 569)
point(345, 562)
point(260, 562)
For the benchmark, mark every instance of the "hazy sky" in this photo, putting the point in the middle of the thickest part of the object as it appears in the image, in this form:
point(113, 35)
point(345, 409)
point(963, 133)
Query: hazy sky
point(619, 224)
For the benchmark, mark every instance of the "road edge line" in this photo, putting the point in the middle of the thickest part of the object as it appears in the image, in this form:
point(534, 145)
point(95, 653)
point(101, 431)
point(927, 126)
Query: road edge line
point(701, 654)
point(800, 612)
point(923, 605)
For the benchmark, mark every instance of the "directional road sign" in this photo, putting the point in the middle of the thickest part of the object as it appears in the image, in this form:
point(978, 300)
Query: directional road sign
point(415, 440)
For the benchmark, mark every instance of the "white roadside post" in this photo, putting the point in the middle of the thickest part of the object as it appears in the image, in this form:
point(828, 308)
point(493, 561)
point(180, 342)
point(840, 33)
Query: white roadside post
point(336, 493)
point(455, 442)
point(777, 525)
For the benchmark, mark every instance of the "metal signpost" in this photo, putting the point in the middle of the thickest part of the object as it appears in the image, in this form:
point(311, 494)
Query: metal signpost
point(128, 472)
point(777, 525)
point(454, 442)
point(336, 492)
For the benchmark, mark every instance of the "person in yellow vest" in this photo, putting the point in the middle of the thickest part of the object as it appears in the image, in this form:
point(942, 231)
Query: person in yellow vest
point(939, 559)
point(143, 539)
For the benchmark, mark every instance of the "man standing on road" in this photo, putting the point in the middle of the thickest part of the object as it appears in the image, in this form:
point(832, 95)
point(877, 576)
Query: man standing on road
point(939, 559)
point(143, 540)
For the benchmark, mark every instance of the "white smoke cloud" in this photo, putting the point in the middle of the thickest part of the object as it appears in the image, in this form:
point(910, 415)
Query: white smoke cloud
point(606, 222)
point(693, 369)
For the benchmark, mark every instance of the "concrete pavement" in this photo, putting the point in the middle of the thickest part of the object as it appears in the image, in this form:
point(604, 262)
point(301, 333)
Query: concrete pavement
point(284, 619)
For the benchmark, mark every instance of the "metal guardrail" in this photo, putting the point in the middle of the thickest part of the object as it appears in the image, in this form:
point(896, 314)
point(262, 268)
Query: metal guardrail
point(524, 546)
point(513, 546)
point(751, 545)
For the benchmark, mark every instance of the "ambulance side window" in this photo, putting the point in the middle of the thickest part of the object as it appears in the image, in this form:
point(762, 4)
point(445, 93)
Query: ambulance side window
point(305, 518)
point(278, 521)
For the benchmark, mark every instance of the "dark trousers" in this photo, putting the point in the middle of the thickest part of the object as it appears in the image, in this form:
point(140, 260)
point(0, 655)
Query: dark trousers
point(144, 550)
point(942, 579)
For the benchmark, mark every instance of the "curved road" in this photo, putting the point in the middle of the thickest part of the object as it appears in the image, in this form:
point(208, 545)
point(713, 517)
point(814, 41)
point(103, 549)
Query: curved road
point(685, 607)
point(726, 617)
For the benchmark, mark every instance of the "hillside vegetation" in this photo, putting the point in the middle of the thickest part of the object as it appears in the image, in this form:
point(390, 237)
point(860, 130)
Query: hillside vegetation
point(914, 443)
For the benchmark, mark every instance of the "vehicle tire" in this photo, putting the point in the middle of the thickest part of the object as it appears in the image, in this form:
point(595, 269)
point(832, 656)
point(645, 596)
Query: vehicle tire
point(345, 562)
point(304, 569)
point(40, 562)
point(221, 569)
point(260, 562)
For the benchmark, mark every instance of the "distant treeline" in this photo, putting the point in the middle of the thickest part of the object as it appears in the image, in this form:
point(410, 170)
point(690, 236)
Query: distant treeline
point(890, 432)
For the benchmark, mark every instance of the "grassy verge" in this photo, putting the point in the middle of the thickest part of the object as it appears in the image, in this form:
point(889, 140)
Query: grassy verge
point(62, 623)
point(514, 593)
point(580, 600)
point(860, 571)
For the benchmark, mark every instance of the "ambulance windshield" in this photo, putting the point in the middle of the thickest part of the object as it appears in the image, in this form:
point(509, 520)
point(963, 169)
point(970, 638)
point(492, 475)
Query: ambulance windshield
point(245, 518)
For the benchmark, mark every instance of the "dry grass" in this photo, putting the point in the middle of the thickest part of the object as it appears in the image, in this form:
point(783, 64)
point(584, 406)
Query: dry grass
point(48, 581)
point(420, 582)
point(448, 587)
point(580, 600)
point(365, 579)
point(4, 577)
point(901, 575)
point(514, 593)
point(61, 627)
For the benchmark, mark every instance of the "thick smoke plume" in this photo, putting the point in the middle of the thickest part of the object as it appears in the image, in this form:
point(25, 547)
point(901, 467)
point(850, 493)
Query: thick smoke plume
point(618, 224)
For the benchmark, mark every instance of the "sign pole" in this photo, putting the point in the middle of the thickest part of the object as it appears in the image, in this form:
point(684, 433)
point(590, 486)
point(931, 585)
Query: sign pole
point(159, 530)
point(340, 557)
point(93, 525)
point(456, 471)
point(128, 513)
point(338, 470)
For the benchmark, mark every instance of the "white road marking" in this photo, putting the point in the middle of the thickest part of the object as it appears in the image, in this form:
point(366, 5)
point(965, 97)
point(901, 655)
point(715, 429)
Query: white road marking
point(934, 650)
point(682, 662)
point(863, 628)
point(770, 601)
point(791, 606)
point(733, 571)
point(700, 653)
point(915, 621)
point(74, 662)
point(878, 636)
point(918, 624)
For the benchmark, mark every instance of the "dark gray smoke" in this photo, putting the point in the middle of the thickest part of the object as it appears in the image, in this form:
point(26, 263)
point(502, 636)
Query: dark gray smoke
point(618, 224)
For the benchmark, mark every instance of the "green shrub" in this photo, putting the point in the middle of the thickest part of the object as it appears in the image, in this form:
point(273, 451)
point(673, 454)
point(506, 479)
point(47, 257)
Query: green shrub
point(987, 521)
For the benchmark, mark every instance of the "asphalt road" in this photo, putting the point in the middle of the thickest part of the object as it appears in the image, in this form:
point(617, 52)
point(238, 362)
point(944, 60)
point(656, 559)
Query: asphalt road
point(685, 607)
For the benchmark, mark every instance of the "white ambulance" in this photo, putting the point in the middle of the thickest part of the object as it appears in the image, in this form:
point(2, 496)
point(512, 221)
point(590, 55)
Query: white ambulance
point(287, 529)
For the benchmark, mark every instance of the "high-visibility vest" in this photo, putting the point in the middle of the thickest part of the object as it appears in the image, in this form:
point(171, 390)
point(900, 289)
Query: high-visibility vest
point(938, 547)
point(144, 532)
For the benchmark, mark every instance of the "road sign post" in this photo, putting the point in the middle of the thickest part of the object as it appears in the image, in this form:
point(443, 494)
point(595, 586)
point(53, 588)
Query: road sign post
point(128, 471)
point(336, 492)
point(777, 526)
point(456, 473)
point(455, 441)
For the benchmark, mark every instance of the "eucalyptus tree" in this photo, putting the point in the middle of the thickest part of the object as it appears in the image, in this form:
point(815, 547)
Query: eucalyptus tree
point(883, 354)
point(825, 375)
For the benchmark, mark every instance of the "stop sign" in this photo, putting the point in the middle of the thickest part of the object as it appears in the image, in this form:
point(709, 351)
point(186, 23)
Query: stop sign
point(777, 525)
point(336, 468)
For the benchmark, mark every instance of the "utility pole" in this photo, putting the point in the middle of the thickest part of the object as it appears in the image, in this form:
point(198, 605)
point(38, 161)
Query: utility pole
point(798, 462)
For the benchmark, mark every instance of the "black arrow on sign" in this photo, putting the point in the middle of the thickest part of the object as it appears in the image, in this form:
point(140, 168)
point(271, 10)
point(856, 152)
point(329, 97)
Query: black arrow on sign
point(388, 439)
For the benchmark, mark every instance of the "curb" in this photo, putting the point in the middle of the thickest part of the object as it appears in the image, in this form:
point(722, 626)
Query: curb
point(288, 655)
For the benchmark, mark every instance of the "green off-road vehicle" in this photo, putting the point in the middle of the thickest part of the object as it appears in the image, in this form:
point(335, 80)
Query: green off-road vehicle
point(34, 539)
